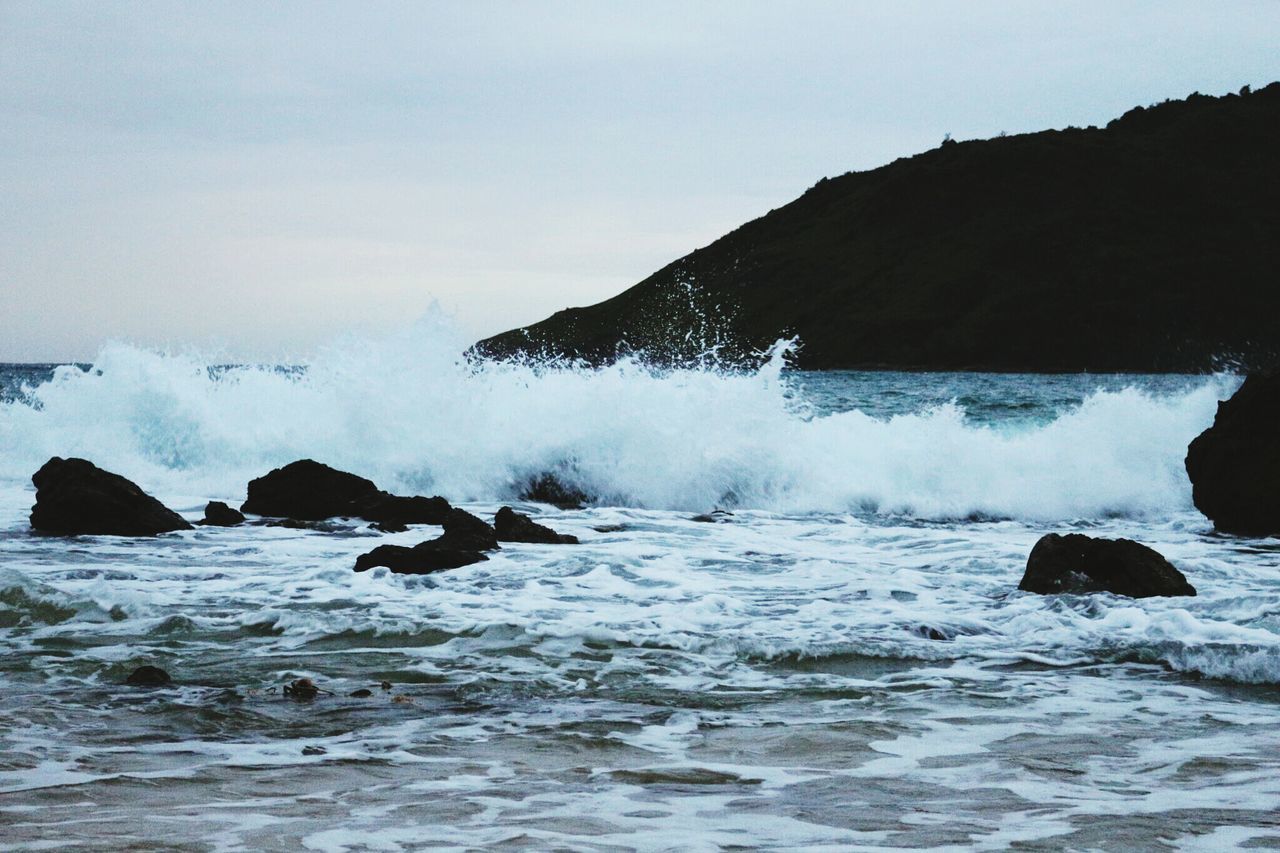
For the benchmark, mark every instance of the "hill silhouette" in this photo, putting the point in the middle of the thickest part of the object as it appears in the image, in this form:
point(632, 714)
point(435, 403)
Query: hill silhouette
point(1152, 244)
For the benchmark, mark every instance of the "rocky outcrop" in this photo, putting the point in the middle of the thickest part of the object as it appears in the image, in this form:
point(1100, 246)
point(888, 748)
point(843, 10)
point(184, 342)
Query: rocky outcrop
point(74, 496)
point(512, 526)
point(1081, 564)
point(218, 514)
point(307, 490)
point(1234, 465)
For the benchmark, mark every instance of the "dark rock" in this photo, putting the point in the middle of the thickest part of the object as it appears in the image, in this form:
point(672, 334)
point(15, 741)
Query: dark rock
point(314, 750)
point(148, 676)
point(390, 526)
point(302, 689)
point(362, 693)
point(74, 496)
point(992, 254)
point(512, 526)
point(218, 514)
point(717, 516)
point(312, 491)
point(307, 490)
point(386, 685)
point(610, 528)
point(465, 532)
point(1234, 465)
point(548, 488)
point(393, 509)
point(1082, 564)
point(421, 559)
point(464, 537)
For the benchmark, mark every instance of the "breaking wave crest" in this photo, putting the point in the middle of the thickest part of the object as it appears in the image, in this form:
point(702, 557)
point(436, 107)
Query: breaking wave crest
point(413, 415)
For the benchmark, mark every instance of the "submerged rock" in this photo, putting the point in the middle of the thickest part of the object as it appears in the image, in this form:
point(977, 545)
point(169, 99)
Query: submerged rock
point(548, 488)
point(512, 526)
point(465, 537)
point(1234, 465)
point(148, 676)
point(312, 491)
point(716, 516)
point(295, 524)
point(74, 496)
point(302, 689)
point(218, 514)
point(1081, 564)
point(422, 559)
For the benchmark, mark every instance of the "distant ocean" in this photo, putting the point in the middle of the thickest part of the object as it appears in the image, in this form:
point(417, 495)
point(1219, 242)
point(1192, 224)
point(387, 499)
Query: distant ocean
point(845, 663)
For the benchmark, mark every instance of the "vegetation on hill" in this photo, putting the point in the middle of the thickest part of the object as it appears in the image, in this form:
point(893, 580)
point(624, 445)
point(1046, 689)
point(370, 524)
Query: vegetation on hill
point(1152, 244)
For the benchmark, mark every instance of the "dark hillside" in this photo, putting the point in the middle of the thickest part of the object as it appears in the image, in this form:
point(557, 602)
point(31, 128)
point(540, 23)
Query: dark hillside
point(1151, 244)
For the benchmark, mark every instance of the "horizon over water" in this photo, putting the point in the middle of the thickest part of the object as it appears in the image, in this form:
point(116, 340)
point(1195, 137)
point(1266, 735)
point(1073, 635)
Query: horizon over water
point(845, 664)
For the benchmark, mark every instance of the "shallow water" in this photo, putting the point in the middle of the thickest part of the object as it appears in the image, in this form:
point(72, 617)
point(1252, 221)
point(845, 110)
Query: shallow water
point(845, 664)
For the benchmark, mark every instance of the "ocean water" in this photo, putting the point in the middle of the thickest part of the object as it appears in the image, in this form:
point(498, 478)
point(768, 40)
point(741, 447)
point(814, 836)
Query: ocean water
point(844, 664)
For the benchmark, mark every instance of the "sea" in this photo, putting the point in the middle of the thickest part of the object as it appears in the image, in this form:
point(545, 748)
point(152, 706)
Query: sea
point(841, 661)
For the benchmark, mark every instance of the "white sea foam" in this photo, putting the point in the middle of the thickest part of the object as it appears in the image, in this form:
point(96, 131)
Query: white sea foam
point(413, 415)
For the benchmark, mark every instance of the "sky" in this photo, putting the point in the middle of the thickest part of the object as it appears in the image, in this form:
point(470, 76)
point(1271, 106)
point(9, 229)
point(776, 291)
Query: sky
point(258, 179)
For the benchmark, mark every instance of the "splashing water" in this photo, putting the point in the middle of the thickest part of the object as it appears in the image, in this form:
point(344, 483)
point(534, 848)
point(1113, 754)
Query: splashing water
point(412, 415)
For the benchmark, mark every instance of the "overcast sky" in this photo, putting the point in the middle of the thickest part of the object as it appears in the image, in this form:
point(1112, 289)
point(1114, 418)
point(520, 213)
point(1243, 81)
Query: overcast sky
point(261, 177)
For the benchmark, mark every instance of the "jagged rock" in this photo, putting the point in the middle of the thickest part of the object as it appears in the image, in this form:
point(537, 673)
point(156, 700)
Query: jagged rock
point(1234, 465)
point(1081, 564)
point(148, 676)
point(311, 491)
point(422, 559)
point(548, 488)
point(74, 496)
point(465, 532)
point(390, 526)
point(512, 526)
point(218, 514)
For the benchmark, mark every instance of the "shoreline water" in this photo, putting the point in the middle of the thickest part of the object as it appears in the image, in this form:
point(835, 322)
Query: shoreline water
point(821, 672)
